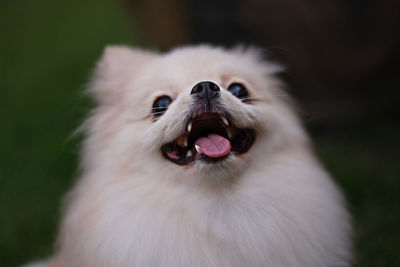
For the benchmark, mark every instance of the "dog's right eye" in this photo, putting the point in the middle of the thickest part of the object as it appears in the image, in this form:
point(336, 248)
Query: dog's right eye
point(160, 105)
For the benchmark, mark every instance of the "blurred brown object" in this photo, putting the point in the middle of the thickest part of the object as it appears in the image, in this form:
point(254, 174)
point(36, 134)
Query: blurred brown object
point(342, 56)
point(161, 21)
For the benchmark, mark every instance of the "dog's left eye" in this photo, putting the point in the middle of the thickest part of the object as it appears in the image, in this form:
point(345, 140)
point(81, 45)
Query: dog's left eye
point(239, 91)
point(160, 105)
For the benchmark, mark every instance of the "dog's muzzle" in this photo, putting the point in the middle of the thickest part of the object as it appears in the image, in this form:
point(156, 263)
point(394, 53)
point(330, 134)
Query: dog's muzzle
point(209, 134)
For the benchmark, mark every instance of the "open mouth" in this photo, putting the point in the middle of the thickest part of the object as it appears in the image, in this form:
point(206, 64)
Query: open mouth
point(209, 137)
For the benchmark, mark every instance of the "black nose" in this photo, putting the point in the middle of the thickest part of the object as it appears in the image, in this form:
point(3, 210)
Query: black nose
point(206, 90)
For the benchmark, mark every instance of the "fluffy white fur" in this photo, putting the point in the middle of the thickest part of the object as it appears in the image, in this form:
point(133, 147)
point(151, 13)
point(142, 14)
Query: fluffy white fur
point(273, 206)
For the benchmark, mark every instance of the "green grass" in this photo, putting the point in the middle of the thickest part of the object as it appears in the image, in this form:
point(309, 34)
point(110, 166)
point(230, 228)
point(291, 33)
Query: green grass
point(365, 163)
point(47, 51)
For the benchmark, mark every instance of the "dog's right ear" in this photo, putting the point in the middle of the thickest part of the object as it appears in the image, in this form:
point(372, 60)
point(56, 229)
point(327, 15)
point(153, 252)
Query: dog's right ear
point(117, 65)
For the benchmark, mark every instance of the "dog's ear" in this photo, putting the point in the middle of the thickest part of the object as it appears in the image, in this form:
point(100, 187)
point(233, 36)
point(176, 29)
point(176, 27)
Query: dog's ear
point(118, 65)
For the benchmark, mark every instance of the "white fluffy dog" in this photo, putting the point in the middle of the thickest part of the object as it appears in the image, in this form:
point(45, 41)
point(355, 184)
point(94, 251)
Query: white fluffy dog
point(195, 158)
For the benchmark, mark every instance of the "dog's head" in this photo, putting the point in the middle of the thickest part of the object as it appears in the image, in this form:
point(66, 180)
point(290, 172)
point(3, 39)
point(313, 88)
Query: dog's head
point(196, 110)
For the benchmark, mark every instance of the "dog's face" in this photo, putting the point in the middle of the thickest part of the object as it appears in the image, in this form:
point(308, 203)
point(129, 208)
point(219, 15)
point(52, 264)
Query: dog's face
point(190, 112)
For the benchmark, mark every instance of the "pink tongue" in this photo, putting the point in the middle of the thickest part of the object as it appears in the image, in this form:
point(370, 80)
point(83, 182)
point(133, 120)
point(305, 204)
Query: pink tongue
point(214, 145)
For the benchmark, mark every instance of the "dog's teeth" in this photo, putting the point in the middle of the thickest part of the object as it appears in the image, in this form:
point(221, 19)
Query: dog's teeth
point(230, 134)
point(182, 141)
point(189, 153)
point(197, 149)
point(189, 127)
point(224, 120)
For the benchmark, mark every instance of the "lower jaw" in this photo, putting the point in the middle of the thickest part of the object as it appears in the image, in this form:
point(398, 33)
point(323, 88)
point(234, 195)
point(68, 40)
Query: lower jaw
point(200, 157)
point(242, 142)
point(197, 157)
point(207, 159)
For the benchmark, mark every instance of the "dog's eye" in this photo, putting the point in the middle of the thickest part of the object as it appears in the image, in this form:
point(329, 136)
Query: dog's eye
point(160, 105)
point(239, 91)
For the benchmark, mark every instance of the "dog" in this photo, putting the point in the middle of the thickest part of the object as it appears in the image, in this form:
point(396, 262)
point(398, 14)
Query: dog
point(196, 158)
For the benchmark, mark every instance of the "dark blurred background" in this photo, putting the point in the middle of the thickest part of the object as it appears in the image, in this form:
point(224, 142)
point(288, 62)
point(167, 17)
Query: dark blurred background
point(342, 67)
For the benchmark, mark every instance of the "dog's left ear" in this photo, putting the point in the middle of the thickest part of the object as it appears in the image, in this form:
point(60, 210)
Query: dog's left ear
point(117, 65)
